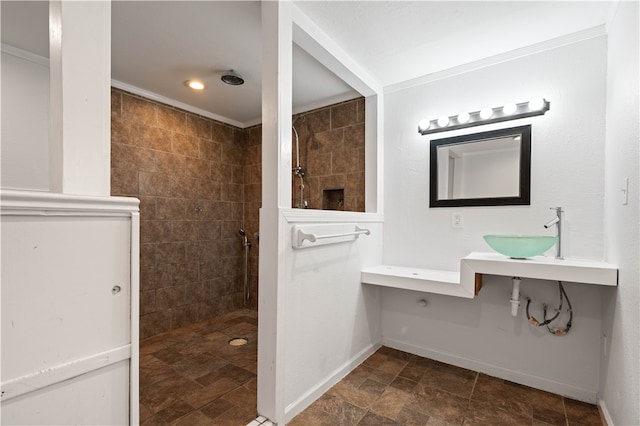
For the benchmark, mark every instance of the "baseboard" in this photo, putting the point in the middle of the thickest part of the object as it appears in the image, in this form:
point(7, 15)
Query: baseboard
point(604, 413)
point(536, 382)
point(338, 374)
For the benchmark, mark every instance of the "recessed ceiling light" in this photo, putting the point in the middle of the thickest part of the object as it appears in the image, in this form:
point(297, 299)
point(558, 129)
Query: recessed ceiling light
point(195, 85)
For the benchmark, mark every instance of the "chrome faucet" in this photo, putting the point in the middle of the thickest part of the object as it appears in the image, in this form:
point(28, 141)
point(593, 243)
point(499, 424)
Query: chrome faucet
point(558, 222)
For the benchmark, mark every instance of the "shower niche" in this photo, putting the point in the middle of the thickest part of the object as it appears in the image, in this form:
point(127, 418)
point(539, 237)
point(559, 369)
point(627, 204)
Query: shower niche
point(333, 199)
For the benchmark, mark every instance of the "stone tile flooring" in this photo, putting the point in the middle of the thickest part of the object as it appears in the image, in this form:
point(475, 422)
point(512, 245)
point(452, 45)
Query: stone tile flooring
point(191, 376)
point(393, 387)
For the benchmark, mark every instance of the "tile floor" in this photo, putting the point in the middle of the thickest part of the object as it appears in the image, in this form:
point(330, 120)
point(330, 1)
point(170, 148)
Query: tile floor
point(191, 376)
point(396, 388)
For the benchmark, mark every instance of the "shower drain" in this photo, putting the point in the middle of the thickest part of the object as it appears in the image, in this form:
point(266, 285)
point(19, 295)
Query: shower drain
point(238, 341)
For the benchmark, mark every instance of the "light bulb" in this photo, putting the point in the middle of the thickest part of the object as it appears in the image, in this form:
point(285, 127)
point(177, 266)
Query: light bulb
point(424, 124)
point(195, 84)
point(463, 117)
point(486, 113)
point(536, 104)
point(443, 121)
point(509, 109)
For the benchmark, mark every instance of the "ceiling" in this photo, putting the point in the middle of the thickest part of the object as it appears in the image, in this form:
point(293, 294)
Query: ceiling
point(400, 40)
point(158, 45)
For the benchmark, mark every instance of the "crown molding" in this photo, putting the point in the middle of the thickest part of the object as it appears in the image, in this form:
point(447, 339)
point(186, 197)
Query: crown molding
point(174, 103)
point(553, 43)
point(24, 54)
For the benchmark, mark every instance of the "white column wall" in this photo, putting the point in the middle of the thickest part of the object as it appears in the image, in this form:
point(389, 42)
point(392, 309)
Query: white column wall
point(276, 191)
point(80, 114)
point(567, 171)
point(316, 320)
point(620, 387)
point(331, 320)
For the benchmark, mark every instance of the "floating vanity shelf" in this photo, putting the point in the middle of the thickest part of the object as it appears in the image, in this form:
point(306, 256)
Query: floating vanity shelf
point(426, 280)
point(544, 268)
point(468, 281)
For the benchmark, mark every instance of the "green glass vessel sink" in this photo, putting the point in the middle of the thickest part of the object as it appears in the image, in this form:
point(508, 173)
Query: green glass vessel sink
point(520, 246)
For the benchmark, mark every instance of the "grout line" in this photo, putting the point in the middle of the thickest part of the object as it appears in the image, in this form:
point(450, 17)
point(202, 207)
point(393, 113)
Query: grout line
point(473, 388)
point(261, 420)
point(564, 408)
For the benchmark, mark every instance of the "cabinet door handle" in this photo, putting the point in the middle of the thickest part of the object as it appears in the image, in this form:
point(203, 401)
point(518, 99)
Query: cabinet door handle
point(116, 289)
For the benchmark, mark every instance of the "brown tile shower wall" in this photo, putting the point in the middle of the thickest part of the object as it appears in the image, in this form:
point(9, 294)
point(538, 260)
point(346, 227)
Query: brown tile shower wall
point(199, 181)
point(189, 174)
point(332, 153)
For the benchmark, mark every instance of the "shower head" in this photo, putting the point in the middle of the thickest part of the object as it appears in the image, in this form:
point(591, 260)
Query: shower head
point(242, 233)
point(233, 78)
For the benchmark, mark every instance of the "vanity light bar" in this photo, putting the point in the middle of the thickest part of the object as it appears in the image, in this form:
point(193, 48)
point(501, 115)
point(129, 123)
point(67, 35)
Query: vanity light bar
point(537, 106)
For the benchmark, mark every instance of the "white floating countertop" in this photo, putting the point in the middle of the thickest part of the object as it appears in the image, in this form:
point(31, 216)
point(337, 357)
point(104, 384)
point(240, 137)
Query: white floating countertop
point(545, 268)
point(418, 279)
point(441, 282)
point(462, 283)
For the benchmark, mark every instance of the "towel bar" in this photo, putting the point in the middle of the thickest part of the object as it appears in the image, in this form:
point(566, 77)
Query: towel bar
point(300, 236)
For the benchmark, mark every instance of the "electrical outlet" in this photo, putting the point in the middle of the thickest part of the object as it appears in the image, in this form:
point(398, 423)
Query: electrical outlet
point(456, 220)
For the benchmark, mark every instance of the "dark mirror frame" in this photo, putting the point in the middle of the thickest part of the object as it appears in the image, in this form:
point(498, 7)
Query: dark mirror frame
point(525, 169)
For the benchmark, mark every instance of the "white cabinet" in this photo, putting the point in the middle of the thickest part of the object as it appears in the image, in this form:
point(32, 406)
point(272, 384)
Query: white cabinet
point(69, 295)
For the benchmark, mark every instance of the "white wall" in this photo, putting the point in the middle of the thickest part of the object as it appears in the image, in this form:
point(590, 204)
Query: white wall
point(56, 121)
point(332, 322)
point(80, 112)
point(567, 151)
point(316, 320)
point(621, 322)
point(69, 345)
point(63, 124)
point(480, 334)
point(25, 120)
point(567, 171)
point(102, 394)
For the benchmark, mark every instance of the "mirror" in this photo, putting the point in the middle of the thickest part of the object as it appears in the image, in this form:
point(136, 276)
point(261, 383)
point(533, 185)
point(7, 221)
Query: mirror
point(481, 169)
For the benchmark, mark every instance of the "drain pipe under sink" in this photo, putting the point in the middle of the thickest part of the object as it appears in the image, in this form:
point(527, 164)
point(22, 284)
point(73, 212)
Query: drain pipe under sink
point(515, 296)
